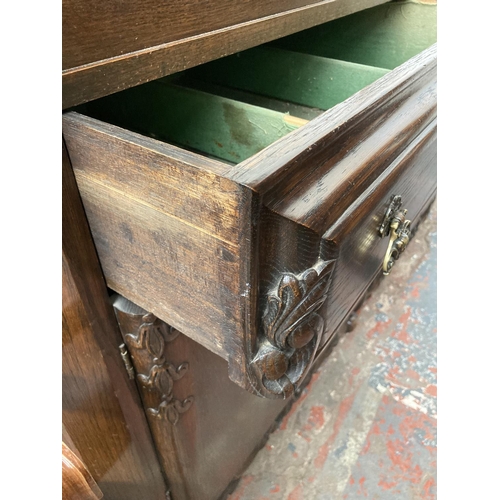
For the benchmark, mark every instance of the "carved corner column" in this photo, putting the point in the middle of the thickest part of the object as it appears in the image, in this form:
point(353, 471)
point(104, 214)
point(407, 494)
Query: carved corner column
point(146, 338)
point(147, 344)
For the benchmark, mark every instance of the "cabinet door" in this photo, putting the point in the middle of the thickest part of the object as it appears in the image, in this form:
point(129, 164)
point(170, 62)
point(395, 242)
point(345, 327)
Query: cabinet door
point(101, 408)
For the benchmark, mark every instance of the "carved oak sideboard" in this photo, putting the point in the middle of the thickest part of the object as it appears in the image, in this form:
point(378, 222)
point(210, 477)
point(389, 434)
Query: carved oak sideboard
point(239, 209)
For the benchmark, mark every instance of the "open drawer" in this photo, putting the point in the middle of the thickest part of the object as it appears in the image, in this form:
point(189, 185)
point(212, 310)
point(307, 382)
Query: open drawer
point(247, 202)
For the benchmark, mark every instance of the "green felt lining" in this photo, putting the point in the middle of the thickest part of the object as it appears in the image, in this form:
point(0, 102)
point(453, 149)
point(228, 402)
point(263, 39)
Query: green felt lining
point(384, 36)
point(234, 107)
point(220, 127)
point(313, 81)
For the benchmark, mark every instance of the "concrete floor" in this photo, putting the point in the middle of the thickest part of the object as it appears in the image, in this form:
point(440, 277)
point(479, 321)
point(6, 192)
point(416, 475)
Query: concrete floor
point(365, 426)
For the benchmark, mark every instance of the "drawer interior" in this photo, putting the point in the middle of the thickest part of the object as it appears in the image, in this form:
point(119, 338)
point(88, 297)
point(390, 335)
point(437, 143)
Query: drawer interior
point(232, 108)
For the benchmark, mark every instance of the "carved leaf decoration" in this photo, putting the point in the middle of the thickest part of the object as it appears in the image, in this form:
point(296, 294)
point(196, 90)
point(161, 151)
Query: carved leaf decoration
point(137, 341)
point(162, 377)
point(167, 331)
point(145, 380)
point(154, 342)
point(288, 293)
point(151, 337)
point(295, 300)
point(179, 372)
point(171, 409)
point(301, 359)
point(282, 386)
point(292, 328)
point(172, 414)
point(183, 406)
point(164, 384)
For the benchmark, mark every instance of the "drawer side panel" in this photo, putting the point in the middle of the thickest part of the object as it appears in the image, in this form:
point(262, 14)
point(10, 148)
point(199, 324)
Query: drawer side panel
point(171, 234)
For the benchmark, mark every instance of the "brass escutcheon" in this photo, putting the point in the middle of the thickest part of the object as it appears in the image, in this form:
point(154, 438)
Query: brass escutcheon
point(397, 227)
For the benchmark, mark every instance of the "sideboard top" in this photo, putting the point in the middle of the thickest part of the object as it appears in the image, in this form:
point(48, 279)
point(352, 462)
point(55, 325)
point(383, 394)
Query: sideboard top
point(112, 45)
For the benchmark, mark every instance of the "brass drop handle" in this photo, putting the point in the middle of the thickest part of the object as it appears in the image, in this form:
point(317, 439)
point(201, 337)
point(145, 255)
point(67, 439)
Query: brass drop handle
point(397, 227)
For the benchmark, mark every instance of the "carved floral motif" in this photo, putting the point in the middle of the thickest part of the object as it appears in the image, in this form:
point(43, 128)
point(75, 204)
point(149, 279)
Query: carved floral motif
point(292, 328)
point(152, 336)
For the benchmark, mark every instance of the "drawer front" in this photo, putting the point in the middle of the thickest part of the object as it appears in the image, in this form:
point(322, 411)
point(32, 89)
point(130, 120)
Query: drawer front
point(260, 261)
point(356, 233)
point(311, 283)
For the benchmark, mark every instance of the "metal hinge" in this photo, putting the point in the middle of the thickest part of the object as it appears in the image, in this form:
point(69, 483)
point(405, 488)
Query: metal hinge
point(126, 361)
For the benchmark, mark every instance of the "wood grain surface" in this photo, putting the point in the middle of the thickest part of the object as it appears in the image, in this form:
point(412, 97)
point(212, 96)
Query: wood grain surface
point(381, 141)
point(110, 46)
point(77, 482)
point(102, 412)
point(204, 246)
point(212, 442)
point(309, 147)
point(169, 231)
point(211, 124)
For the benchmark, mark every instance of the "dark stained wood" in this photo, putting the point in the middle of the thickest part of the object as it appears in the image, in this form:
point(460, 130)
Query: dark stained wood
point(102, 412)
point(110, 46)
point(213, 125)
point(169, 231)
point(209, 443)
point(77, 482)
point(249, 264)
point(139, 25)
point(345, 176)
point(300, 154)
point(413, 176)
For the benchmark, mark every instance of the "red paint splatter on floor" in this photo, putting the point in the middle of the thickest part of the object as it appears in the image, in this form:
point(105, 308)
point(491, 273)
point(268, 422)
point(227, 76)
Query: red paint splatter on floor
point(362, 489)
point(351, 480)
point(402, 334)
point(244, 482)
point(344, 408)
point(297, 404)
point(293, 409)
point(276, 489)
point(415, 290)
point(427, 489)
point(433, 369)
point(416, 420)
point(367, 446)
point(431, 390)
point(386, 485)
point(412, 374)
point(317, 416)
point(379, 327)
point(296, 494)
point(316, 420)
point(396, 454)
point(303, 436)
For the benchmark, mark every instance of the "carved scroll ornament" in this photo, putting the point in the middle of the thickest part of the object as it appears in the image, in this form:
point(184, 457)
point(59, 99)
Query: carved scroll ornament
point(292, 328)
point(152, 336)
